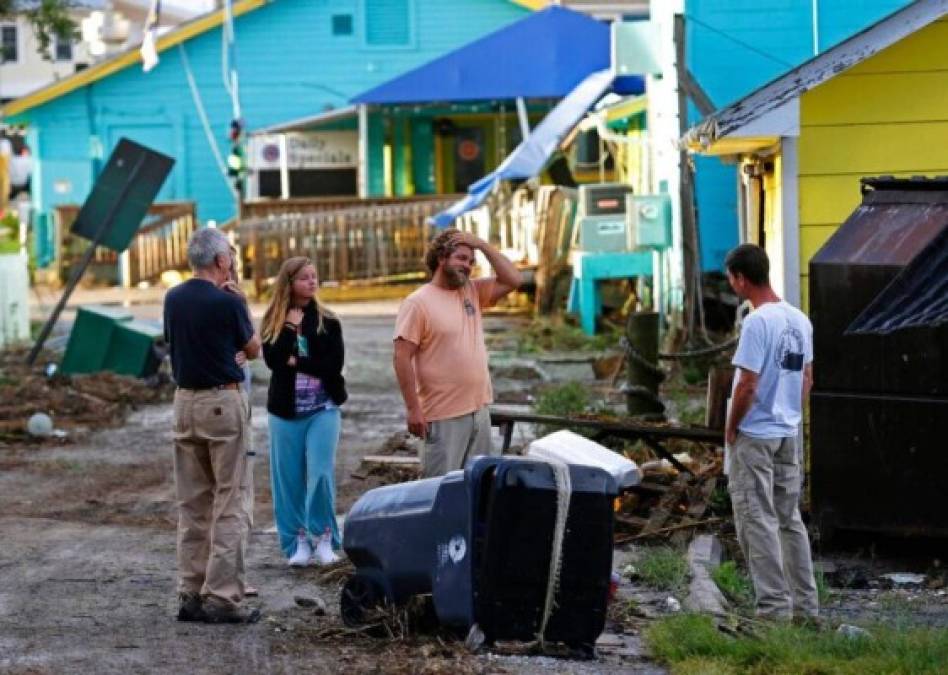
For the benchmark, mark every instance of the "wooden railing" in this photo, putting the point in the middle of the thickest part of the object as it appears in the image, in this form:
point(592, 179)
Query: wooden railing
point(381, 240)
point(263, 208)
point(160, 244)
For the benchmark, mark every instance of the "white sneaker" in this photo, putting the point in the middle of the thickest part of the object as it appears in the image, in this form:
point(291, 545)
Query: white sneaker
point(303, 552)
point(324, 554)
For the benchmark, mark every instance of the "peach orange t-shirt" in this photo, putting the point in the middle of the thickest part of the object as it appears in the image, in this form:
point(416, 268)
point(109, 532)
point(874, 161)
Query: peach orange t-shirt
point(451, 362)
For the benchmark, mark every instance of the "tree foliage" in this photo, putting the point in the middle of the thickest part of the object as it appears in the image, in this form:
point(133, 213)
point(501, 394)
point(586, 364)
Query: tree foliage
point(49, 18)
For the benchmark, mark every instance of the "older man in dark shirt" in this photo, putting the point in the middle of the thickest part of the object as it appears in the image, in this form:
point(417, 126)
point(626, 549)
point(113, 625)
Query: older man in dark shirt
point(206, 327)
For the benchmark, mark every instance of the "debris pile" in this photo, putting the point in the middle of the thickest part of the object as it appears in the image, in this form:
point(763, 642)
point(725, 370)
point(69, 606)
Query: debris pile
point(395, 462)
point(73, 403)
point(667, 503)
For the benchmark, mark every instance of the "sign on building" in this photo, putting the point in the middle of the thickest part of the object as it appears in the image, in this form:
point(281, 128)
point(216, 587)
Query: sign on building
point(318, 164)
point(306, 150)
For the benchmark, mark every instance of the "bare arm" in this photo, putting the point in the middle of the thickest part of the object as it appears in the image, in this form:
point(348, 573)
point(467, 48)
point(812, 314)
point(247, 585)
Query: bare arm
point(508, 277)
point(741, 401)
point(252, 348)
point(405, 372)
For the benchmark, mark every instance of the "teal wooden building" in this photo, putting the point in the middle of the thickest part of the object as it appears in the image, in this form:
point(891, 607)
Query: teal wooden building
point(292, 57)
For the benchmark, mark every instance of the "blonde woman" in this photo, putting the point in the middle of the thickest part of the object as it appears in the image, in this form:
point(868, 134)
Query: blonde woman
point(302, 346)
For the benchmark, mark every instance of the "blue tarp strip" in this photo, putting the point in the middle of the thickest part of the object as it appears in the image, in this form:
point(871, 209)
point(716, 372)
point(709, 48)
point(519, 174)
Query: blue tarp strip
point(529, 158)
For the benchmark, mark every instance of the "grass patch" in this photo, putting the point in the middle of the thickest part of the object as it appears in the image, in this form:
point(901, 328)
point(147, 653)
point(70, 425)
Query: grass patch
point(734, 583)
point(563, 400)
point(693, 644)
point(546, 334)
point(663, 568)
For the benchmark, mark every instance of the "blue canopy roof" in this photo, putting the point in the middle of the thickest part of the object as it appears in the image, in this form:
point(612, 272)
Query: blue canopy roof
point(545, 55)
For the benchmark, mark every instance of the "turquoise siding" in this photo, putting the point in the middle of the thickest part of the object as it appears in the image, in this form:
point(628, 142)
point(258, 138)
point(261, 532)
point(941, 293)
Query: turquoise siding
point(734, 47)
point(290, 65)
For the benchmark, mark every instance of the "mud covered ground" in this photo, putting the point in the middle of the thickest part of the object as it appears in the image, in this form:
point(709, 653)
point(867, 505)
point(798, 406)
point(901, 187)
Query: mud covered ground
point(87, 557)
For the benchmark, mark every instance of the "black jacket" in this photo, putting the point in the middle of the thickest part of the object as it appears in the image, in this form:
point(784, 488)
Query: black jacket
point(326, 356)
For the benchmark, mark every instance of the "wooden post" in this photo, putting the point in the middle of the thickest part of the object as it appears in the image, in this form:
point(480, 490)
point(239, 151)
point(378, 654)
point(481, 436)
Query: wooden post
point(642, 371)
point(342, 248)
point(256, 242)
point(719, 391)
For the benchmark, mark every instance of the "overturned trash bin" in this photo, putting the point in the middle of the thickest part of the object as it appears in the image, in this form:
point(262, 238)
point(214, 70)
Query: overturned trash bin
point(481, 542)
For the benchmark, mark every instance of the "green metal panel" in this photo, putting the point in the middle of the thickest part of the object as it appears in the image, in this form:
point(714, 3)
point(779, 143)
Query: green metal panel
point(376, 168)
point(131, 349)
point(400, 155)
point(90, 337)
point(651, 216)
point(422, 156)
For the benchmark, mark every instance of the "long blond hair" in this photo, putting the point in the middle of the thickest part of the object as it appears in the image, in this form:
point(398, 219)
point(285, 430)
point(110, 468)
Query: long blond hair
point(275, 315)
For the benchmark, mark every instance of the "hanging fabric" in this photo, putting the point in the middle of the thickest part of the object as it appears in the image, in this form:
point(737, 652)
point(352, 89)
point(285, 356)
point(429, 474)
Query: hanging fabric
point(149, 48)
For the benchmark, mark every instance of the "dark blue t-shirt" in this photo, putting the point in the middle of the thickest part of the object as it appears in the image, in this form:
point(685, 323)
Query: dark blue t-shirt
point(205, 328)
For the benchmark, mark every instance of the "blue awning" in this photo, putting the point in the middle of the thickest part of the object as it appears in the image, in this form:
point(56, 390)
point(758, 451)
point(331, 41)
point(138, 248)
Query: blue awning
point(531, 155)
point(545, 55)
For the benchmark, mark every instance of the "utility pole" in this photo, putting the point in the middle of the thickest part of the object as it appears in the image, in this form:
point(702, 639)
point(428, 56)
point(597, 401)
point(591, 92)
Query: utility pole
point(689, 228)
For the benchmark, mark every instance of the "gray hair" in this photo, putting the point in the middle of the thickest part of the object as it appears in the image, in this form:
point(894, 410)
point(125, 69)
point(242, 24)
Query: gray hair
point(204, 247)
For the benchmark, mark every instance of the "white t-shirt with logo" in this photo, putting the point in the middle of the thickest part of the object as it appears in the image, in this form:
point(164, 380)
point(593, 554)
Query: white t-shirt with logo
point(776, 343)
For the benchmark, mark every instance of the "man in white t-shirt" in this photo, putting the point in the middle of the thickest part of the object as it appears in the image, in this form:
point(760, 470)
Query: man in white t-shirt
point(773, 374)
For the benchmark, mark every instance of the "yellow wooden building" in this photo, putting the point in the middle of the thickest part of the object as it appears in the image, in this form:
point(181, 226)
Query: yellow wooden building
point(876, 104)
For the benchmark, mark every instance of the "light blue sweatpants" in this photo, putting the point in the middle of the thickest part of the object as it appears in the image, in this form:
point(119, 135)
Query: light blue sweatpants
point(302, 460)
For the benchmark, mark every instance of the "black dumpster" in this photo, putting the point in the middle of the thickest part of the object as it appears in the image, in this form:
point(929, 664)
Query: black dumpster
point(879, 408)
point(480, 542)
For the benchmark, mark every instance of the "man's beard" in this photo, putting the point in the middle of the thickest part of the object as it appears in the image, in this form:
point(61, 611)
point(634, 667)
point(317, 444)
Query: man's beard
point(455, 277)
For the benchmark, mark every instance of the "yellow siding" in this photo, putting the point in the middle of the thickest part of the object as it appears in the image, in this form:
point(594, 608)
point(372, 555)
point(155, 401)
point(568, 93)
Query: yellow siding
point(888, 115)
point(916, 53)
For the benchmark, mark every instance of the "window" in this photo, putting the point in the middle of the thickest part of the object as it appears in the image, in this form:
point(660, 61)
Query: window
point(8, 44)
point(62, 49)
point(388, 22)
point(342, 24)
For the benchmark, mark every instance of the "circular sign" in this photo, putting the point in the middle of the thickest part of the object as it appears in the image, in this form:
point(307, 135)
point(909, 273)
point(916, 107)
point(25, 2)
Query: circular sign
point(271, 152)
point(468, 150)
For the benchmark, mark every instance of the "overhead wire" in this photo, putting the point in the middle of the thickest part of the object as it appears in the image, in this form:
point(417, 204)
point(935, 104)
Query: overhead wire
point(202, 115)
point(738, 41)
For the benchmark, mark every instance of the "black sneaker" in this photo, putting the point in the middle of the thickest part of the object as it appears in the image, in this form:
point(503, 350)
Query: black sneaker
point(190, 607)
point(217, 613)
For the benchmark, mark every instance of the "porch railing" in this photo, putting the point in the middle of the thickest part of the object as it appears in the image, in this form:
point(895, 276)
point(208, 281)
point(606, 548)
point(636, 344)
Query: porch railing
point(349, 241)
point(159, 245)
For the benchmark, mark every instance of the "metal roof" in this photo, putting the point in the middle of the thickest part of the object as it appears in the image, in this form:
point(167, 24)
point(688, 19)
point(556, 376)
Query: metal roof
point(544, 55)
point(310, 121)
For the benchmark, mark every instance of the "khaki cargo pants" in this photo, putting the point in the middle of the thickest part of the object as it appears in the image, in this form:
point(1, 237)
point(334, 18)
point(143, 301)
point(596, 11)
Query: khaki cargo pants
point(764, 482)
point(212, 476)
point(450, 443)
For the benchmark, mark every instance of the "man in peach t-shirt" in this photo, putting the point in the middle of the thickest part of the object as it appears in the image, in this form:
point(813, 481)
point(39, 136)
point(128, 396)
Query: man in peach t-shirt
point(440, 356)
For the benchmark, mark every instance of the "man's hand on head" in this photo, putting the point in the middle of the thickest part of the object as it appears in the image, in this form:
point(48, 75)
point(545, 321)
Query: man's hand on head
point(466, 239)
